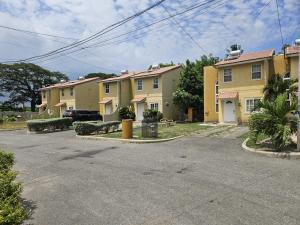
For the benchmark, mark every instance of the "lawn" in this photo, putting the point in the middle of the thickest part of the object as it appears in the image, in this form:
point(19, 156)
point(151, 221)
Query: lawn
point(13, 125)
point(166, 132)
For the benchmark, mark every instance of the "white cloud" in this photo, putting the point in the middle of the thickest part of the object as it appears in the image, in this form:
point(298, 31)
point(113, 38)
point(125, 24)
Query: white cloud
point(214, 28)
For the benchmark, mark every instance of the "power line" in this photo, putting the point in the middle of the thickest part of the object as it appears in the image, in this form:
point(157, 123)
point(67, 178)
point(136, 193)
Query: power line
point(96, 35)
point(279, 22)
point(182, 28)
point(36, 33)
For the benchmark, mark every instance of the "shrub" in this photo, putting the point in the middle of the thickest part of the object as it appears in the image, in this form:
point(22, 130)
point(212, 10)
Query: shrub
point(90, 127)
point(126, 113)
point(49, 124)
point(1, 121)
point(151, 115)
point(12, 211)
point(276, 120)
point(11, 118)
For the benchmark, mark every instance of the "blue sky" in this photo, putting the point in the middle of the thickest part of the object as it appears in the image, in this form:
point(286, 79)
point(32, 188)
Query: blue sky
point(214, 28)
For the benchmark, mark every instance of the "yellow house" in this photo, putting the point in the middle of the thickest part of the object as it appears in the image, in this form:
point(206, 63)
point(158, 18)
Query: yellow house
point(114, 93)
point(77, 94)
point(234, 85)
point(153, 89)
point(292, 55)
point(50, 97)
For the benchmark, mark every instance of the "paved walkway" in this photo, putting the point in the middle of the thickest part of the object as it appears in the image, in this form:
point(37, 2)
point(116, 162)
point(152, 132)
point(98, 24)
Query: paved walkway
point(225, 131)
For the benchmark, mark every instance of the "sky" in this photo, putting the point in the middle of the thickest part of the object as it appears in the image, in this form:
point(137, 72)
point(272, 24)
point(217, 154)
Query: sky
point(213, 27)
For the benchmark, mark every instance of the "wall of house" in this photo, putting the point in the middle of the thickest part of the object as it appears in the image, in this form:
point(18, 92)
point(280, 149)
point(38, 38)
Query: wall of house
point(170, 82)
point(210, 78)
point(87, 95)
point(68, 99)
point(293, 61)
point(113, 94)
point(126, 92)
point(278, 65)
point(51, 99)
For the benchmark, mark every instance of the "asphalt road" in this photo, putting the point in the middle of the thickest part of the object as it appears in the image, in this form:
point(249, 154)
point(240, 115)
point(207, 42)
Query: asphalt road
point(195, 180)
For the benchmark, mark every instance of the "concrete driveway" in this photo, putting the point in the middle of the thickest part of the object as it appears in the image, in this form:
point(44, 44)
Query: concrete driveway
point(195, 180)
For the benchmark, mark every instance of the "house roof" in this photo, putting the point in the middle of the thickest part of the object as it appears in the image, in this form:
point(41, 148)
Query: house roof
point(70, 83)
point(105, 101)
point(139, 99)
point(244, 58)
point(156, 72)
point(60, 104)
point(292, 50)
point(121, 77)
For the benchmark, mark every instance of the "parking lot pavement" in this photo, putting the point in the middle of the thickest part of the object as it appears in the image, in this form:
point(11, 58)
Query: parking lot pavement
point(193, 180)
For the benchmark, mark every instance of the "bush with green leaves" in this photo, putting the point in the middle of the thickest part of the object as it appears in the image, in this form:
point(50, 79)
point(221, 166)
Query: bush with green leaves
point(11, 118)
point(276, 119)
point(12, 211)
point(126, 113)
point(95, 127)
point(151, 115)
point(1, 121)
point(49, 124)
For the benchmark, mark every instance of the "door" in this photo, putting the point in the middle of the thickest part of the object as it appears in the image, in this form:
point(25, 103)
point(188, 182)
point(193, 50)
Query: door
point(140, 111)
point(229, 111)
point(108, 109)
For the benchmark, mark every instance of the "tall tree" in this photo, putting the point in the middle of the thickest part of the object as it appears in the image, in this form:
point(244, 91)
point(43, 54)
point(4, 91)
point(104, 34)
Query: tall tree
point(101, 75)
point(22, 82)
point(190, 89)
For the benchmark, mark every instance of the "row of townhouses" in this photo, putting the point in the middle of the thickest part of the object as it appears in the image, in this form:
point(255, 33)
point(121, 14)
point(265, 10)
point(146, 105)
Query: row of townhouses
point(231, 88)
point(151, 89)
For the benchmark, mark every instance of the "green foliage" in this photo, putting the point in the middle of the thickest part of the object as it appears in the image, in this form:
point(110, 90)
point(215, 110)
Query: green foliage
point(276, 86)
point(190, 89)
point(1, 121)
point(101, 75)
point(90, 127)
point(126, 113)
point(22, 82)
point(49, 124)
point(276, 120)
point(12, 212)
point(151, 115)
point(11, 118)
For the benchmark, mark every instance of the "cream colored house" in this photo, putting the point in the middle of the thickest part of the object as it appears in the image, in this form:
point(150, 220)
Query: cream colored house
point(153, 89)
point(77, 94)
point(234, 85)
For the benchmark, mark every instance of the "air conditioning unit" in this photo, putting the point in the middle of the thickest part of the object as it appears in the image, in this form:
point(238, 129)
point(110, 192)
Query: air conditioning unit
point(297, 42)
point(81, 78)
point(62, 81)
point(155, 66)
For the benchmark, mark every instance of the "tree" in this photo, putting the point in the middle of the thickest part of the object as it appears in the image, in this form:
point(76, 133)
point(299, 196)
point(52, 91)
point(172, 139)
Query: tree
point(22, 82)
point(276, 86)
point(101, 75)
point(276, 119)
point(190, 89)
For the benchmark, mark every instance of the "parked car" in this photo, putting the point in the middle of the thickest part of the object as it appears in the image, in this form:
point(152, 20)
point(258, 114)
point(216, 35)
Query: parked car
point(82, 115)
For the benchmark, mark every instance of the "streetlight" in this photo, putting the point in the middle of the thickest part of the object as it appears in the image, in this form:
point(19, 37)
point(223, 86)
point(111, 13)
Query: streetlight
point(297, 44)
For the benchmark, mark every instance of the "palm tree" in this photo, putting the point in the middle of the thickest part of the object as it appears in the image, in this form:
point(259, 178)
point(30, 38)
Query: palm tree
point(276, 119)
point(276, 86)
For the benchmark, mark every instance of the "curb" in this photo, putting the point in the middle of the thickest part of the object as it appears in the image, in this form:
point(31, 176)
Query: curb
point(130, 140)
point(279, 155)
point(3, 130)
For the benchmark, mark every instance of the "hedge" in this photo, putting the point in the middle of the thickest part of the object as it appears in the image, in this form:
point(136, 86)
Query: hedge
point(90, 127)
point(49, 124)
point(12, 211)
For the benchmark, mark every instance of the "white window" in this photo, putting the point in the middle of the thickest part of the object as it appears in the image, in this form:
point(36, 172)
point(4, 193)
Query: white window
point(287, 76)
point(250, 103)
point(71, 91)
point(139, 85)
point(106, 88)
point(227, 75)
point(256, 72)
point(155, 83)
point(217, 96)
point(44, 94)
point(62, 92)
point(154, 106)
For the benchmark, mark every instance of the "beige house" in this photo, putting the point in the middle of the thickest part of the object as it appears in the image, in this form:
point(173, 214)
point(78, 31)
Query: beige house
point(153, 89)
point(292, 55)
point(77, 94)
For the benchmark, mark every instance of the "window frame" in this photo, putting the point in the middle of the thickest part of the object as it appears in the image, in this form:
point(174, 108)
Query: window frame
point(62, 92)
point(285, 76)
point(246, 107)
point(137, 84)
point(227, 69)
point(107, 87)
point(44, 94)
point(154, 104)
point(154, 83)
point(253, 65)
point(71, 91)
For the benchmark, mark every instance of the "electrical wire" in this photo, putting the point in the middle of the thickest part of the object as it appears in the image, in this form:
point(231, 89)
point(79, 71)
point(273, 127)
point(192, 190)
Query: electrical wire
point(279, 22)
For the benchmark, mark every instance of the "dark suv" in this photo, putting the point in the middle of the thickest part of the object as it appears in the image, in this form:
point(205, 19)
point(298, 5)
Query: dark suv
point(82, 115)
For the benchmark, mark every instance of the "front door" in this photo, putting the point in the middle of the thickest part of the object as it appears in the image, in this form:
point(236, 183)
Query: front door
point(229, 111)
point(140, 111)
point(108, 109)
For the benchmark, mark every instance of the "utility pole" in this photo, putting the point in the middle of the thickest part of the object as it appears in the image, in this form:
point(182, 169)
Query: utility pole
point(297, 43)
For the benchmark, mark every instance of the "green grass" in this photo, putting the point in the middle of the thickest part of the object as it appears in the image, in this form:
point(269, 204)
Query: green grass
point(13, 125)
point(166, 132)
